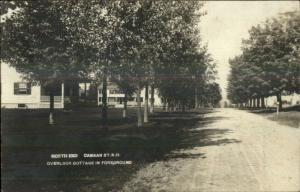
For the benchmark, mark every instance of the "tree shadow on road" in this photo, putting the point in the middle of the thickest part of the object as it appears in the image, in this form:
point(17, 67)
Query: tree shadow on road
point(29, 146)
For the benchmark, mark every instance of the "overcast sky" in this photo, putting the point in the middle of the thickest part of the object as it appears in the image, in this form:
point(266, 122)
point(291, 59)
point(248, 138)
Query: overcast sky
point(228, 22)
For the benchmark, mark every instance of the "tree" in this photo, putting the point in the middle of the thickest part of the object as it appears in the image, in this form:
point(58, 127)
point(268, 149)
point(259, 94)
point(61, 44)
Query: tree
point(239, 87)
point(272, 57)
point(127, 87)
point(7, 6)
point(100, 25)
point(37, 44)
point(184, 61)
point(150, 31)
point(192, 69)
point(135, 34)
point(165, 29)
point(213, 91)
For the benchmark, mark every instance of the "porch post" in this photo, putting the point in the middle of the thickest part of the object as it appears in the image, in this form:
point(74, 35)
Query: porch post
point(62, 94)
point(98, 95)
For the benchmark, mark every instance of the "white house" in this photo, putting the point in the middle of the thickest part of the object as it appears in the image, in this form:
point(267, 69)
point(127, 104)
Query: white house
point(19, 93)
point(287, 100)
point(115, 97)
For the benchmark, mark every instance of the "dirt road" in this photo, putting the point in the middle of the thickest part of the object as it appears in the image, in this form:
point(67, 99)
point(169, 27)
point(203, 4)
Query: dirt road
point(242, 152)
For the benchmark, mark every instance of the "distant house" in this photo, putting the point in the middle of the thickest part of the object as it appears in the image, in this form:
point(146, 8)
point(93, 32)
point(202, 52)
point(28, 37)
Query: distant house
point(287, 100)
point(115, 97)
point(16, 92)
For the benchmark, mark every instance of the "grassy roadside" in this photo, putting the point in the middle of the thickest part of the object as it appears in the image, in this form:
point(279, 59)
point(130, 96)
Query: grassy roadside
point(288, 116)
point(28, 141)
point(291, 118)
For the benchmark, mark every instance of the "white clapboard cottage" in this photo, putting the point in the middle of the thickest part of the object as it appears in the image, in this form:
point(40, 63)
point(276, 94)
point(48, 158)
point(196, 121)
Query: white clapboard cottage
point(115, 97)
point(16, 92)
point(287, 100)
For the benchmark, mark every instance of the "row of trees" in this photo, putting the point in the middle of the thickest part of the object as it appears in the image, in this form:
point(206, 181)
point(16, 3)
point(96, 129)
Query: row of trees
point(269, 64)
point(136, 44)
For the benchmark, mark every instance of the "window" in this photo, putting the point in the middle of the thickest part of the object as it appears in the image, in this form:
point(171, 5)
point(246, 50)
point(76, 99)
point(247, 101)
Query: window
point(115, 91)
point(22, 88)
point(112, 99)
point(130, 99)
point(120, 100)
point(22, 105)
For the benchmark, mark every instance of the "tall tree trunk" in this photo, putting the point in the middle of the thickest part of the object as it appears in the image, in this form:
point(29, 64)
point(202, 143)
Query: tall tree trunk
point(196, 97)
point(85, 92)
point(262, 99)
point(279, 100)
point(51, 108)
point(104, 102)
point(152, 99)
point(174, 106)
point(146, 103)
point(250, 103)
point(258, 102)
point(164, 105)
point(255, 103)
point(125, 105)
point(139, 107)
point(168, 106)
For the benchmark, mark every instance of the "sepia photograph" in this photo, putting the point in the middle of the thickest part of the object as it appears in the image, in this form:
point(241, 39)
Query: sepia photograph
point(150, 96)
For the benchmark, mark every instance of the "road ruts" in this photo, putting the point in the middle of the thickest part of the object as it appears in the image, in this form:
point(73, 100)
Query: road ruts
point(251, 154)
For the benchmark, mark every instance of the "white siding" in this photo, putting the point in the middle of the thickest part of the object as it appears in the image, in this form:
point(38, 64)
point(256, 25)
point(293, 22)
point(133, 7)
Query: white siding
point(288, 100)
point(9, 76)
point(157, 100)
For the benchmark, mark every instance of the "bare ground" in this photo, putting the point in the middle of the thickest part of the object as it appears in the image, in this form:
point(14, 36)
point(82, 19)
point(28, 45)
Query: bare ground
point(252, 154)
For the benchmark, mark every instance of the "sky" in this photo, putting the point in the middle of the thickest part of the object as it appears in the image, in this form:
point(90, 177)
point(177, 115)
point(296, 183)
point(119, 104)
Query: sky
point(227, 23)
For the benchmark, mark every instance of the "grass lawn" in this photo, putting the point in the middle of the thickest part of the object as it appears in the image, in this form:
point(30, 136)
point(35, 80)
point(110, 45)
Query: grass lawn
point(28, 142)
point(288, 116)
